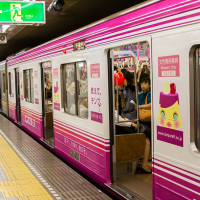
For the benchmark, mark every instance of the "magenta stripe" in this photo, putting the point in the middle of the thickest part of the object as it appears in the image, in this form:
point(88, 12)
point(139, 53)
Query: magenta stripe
point(150, 26)
point(173, 192)
point(146, 32)
point(149, 19)
point(147, 27)
point(155, 8)
point(177, 167)
point(31, 111)
point(167, 190)
point(83, 132)
point(48, 55)
point(84, 135)
point(177, 180)
point(176, 172)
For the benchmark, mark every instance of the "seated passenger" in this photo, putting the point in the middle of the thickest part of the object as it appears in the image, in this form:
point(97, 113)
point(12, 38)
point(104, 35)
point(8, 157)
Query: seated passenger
point(124, 127)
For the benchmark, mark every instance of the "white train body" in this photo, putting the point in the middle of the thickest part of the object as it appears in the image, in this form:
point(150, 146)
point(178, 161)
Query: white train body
point(172, 30)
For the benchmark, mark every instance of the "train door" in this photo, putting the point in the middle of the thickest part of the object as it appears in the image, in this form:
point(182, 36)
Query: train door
point(18, 103)
point(129, 140)
point(48, 134)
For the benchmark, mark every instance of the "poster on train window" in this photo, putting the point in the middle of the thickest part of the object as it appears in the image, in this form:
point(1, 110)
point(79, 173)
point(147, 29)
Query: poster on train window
point(96, 94)
point(168, 66)
point(169, 128)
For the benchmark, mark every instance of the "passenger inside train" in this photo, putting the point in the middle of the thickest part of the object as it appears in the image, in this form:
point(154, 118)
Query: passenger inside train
point(132, 129)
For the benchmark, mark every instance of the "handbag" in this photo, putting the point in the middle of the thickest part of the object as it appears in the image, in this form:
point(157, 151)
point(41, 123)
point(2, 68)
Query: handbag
point(144, 114)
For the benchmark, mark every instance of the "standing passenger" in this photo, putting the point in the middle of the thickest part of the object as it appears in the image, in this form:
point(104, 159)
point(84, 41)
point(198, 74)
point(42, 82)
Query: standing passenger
point(129, 93)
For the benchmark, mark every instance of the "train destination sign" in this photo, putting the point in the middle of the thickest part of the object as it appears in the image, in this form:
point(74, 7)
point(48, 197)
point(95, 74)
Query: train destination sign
point(18, 12)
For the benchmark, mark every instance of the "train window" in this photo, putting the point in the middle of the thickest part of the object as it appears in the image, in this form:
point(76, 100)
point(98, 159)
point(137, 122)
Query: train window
point(75, 89)
point(69, 88)
point(9, 82)
point(28, 85)
point(195, 87)
point(82, 85)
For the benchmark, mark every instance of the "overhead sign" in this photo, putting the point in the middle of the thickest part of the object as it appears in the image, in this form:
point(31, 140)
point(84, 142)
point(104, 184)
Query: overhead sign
point(18, 12)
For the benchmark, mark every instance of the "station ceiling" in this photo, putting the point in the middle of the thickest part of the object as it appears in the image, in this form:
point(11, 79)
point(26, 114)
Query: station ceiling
point(75, 14)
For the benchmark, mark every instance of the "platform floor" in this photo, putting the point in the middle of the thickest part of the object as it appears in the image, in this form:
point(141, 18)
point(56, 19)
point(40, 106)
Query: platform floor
point(28, 171)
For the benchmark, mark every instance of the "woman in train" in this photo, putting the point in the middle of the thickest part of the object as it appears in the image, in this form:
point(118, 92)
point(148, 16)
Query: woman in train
point(129, 94)
point(144, 101)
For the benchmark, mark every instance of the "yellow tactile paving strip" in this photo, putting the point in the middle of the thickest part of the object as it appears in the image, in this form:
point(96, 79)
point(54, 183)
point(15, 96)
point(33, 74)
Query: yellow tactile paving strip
point(21, 183)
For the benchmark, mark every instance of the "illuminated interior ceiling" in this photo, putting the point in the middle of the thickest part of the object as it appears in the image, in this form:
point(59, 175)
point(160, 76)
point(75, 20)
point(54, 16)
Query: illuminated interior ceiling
point(75, 14)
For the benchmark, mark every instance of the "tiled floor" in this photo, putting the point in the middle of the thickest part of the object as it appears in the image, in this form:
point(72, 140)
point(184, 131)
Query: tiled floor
point(54, 177)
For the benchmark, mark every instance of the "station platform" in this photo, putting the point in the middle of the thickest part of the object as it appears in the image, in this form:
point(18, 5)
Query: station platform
point(28, 171)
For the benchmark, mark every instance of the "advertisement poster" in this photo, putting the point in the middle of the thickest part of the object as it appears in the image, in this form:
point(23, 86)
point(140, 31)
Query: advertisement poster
point(56, 89)
point(168, 66)
point(169, 115)
point(96, 94)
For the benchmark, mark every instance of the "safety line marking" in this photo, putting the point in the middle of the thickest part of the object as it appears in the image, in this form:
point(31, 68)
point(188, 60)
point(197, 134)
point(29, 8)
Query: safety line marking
point(29, 165)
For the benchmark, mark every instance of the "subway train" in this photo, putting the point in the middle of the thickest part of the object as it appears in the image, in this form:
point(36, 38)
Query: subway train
point(65, 94)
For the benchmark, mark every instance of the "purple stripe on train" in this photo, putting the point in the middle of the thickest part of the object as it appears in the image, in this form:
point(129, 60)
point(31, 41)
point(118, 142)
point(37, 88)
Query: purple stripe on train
point(177, 180)
point(110, 25)
point(167, 190)
point(92, 160)
point(178, 173)
point(32, 126)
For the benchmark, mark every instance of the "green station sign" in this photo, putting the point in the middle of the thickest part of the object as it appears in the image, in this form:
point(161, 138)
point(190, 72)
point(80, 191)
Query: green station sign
point(18, 12)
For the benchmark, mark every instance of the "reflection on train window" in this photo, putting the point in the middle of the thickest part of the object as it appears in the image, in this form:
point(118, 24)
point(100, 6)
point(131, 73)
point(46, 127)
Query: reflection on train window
point(28, 85)
point(81, 69)
point(75, 89)
point(9, 82)
point(196, 78)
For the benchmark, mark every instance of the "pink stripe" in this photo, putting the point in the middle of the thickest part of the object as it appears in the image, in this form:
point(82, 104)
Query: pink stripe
point(146, 27)
point(155, 8)
point(167, 190)
point(176, 167)
point(80, 138)
point(176, 172)
point(146, 32)
point(81, 131)
point(177, 180)
point(31, 111)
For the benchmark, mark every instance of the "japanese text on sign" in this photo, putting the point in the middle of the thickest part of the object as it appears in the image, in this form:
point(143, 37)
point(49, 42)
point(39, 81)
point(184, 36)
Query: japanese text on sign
point(168, 66)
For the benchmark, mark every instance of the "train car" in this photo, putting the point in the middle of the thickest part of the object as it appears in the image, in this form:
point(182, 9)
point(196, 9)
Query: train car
point(63, 94)
point(3, 89)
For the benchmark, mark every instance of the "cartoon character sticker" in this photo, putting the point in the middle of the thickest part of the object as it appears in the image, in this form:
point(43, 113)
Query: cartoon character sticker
point(169, 108)
point(169, 116)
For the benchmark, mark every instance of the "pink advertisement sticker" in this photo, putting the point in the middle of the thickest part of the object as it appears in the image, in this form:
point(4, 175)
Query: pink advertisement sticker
point(55, 73)
point(168, 66)
point(98, 117)
point(95, 70)
point(171, 136)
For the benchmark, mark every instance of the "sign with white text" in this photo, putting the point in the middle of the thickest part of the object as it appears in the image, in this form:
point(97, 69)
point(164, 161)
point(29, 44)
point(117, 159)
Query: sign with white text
point(18, 12)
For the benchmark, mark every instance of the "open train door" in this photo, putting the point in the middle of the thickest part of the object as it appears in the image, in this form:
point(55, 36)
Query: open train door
point(128, 143)
point(47, 103)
